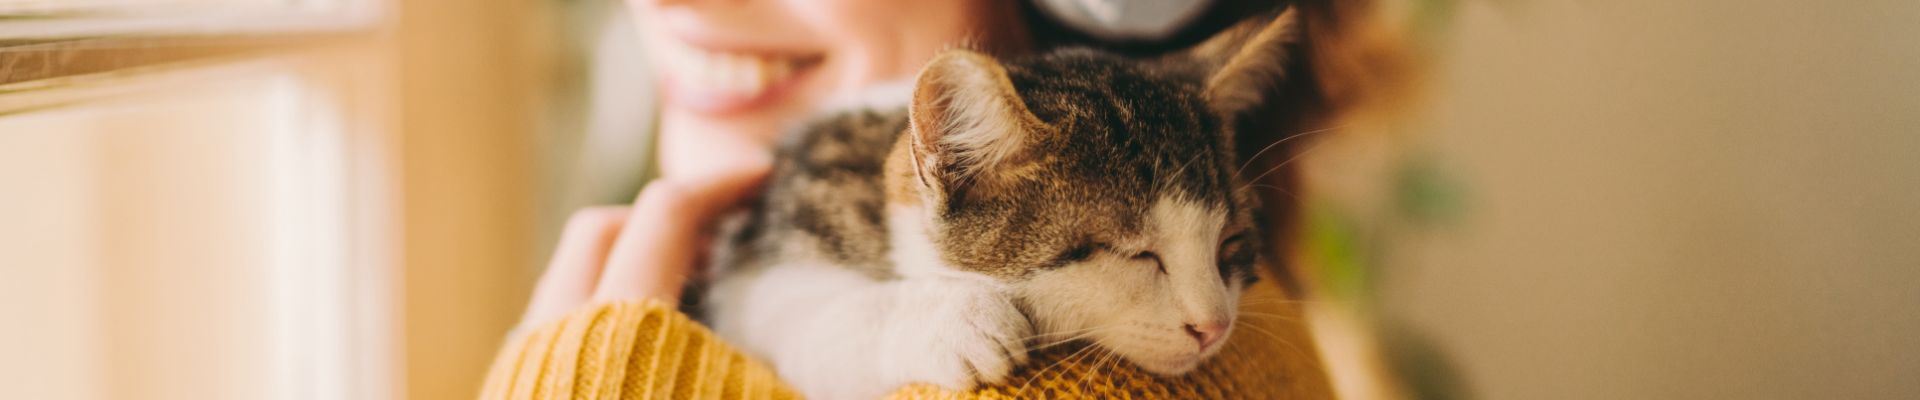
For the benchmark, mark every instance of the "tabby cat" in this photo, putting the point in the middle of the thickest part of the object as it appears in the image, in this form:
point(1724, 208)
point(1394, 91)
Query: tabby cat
point(938, 231)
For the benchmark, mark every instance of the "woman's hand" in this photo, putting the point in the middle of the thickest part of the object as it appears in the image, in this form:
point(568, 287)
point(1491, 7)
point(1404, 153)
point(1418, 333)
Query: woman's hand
point(647, 250)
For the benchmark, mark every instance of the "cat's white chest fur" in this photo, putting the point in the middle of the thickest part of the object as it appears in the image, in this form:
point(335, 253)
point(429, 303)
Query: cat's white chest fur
point(952, 321)
point(838, 334)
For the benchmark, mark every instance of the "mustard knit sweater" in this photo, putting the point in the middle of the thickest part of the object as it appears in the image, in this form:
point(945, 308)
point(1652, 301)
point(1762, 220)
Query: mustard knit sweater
point(647, 350)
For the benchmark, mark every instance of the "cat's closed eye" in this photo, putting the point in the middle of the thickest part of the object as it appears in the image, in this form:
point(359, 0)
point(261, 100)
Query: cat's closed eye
point(1150, 256)
point(1086, 251)
point(1074, 254)
point(1236, 254)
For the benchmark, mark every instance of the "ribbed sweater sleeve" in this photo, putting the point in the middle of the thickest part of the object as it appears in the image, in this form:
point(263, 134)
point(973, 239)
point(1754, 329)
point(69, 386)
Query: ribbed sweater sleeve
point(648, 350)
point(627, 350)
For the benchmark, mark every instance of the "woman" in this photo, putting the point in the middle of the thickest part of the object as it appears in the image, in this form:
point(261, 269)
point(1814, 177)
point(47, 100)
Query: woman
point(732, 73)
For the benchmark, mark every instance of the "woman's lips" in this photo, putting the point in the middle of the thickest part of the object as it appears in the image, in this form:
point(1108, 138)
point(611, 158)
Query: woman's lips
point(711, 81)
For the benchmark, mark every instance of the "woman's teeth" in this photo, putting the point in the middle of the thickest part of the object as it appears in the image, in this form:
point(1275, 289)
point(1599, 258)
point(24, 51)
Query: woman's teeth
point(723, 74)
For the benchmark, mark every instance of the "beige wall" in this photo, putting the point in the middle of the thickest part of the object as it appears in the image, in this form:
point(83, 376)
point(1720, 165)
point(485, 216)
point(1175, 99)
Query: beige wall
point(1677, 200)
point(471, 83)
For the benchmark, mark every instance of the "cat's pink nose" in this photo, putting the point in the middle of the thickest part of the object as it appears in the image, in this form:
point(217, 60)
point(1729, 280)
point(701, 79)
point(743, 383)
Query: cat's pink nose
point(1207, 332)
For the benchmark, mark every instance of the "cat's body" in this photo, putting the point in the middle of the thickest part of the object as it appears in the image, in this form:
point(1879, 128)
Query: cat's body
point(826, 200)
point(934, 237)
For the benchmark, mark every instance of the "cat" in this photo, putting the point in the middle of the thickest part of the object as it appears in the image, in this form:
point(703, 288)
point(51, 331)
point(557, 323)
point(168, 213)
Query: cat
point(938, 231)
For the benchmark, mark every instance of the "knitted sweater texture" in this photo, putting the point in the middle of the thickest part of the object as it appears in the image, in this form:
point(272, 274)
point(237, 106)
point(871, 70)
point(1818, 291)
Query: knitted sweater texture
point(647, 350)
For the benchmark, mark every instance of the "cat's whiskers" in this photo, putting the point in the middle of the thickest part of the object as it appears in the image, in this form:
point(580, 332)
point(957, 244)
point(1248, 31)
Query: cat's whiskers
point(1094, 369)
point(1277, 299)
point(1048, 334)
point(1273, 300)
point(1268, 295)
point(1269, 317)
point(1289, 345)
point(1289, 160)
point(1176, 171)
point(1270, 335)
point(1262, 185)
point(1268, 299)
point(1277, 143)
point(1061, 360)
point(1083, 334)
point(1068, 359)
point(1065, 331)
point(1259, 313)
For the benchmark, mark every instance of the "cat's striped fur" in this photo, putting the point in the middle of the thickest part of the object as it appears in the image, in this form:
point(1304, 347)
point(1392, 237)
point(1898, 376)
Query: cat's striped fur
point(1075, 193)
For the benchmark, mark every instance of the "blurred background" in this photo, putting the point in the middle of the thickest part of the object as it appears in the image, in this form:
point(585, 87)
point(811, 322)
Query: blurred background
point(350, 199)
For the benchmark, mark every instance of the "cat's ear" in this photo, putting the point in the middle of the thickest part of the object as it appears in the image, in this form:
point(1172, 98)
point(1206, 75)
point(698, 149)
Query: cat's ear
point(1248, 61)
point(969, 127)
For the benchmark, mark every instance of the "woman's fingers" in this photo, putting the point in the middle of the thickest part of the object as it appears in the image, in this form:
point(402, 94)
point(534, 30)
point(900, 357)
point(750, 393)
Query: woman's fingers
point(664, 232)
point(574, 271)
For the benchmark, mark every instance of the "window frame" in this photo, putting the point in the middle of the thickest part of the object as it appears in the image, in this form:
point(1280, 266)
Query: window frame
point(47, 45)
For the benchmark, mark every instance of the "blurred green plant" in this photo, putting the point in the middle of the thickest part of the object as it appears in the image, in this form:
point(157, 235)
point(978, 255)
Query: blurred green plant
point(1348, 250)
point(1351, 250)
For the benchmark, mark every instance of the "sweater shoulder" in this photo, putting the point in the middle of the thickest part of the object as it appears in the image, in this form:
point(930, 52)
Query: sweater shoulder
point(633, 349)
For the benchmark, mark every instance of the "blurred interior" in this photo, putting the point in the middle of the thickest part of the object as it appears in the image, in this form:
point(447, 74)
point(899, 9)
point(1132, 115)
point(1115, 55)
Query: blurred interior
point(252, 199)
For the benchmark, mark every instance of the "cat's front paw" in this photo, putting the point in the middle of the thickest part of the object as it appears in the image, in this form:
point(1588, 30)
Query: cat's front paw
point(992, 342)
point(955, 334)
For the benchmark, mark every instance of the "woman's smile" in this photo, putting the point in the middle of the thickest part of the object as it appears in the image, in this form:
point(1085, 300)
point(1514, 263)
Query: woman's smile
point(717, 80)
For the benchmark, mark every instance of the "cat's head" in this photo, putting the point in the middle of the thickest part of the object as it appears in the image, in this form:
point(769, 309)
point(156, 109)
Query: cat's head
point(1102, 190)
